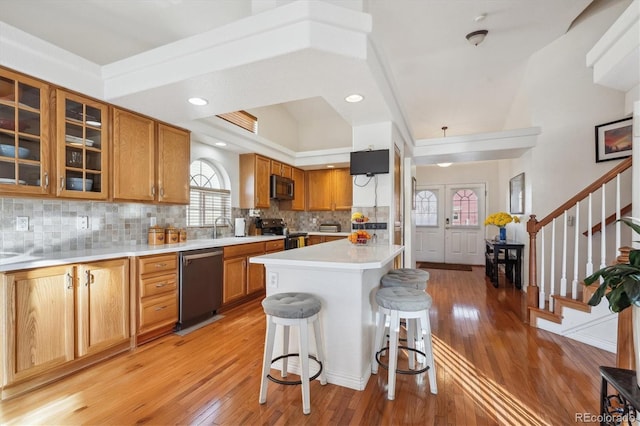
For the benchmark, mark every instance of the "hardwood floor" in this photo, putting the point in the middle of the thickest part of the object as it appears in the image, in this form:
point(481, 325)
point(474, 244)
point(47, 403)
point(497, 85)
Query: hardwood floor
point(491, 369)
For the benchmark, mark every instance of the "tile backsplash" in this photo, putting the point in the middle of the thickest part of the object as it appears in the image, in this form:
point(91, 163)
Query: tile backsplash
point(53, 223)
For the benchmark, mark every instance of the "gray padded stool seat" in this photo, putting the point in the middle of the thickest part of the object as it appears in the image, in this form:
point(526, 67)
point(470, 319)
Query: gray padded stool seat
point(405, 277)
point(413, 306)
point(299, 310)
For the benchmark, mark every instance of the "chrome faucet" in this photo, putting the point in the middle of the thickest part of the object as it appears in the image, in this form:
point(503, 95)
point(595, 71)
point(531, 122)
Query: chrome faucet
point(215, 225)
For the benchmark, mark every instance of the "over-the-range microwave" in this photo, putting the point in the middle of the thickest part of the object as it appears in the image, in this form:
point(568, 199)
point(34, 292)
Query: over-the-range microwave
point(281, 188)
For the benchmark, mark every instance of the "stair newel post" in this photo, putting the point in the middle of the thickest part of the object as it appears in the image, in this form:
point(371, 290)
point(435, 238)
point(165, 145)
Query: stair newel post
point(532, 287)
point(625, 352)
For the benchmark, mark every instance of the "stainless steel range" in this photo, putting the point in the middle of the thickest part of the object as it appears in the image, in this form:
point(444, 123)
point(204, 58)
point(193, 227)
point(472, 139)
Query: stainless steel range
point(278, 227)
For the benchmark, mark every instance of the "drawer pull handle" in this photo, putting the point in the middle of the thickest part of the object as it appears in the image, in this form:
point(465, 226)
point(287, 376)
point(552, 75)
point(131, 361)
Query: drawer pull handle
point(160, 308)
point(160, 265)
point(161, 285)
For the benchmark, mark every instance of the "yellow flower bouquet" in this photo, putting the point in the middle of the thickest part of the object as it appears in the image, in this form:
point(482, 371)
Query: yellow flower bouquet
point(501, 219)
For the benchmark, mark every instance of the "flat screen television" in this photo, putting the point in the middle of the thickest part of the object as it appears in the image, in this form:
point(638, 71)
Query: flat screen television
point(370, 162)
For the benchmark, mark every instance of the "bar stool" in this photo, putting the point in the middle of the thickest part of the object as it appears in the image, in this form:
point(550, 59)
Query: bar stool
point(292, 309)
point(406, 277)
point(410, 304)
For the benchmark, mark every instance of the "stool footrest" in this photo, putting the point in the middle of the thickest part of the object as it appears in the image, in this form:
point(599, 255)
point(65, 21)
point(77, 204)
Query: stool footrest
point(399, 371)
point(294, 382)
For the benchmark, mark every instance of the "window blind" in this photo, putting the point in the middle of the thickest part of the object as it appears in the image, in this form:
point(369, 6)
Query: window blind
point(242, 119)
point(208, 204)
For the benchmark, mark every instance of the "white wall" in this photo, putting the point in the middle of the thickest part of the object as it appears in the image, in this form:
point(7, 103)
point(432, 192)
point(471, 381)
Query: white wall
point(326, 133)
point(277, 125)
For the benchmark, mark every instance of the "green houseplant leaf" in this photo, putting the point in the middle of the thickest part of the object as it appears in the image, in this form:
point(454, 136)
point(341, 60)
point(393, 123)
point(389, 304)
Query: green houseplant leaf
point(619, 283)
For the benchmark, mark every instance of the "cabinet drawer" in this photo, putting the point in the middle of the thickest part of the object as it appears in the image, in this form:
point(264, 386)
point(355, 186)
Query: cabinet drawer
point(276, 245)
point(243, 250)
point(153, 264)
point(158, 311)
point(158, 285)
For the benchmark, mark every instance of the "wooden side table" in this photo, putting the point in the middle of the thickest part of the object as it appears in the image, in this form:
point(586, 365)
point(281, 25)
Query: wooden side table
point(620, 408)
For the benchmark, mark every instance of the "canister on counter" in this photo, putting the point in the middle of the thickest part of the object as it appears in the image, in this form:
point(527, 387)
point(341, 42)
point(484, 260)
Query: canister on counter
point(183, 235)
point(171, 235)
point(156, 235)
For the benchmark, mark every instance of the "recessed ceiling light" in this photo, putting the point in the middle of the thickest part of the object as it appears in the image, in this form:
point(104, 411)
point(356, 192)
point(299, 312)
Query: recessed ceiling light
point(198, 101)
point(330, 166)
point(354, 98)
point(221, 144)
point(444, 164)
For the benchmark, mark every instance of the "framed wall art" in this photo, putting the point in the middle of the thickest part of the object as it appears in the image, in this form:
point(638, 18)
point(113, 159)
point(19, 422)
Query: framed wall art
point(516, 194)
point(613, 140)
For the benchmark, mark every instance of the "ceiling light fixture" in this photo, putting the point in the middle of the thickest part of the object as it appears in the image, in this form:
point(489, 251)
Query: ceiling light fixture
point(330, 166)
point(221, 144)
point(477, 37)
point(354, 98)
point(198, 101)
point(444, 164)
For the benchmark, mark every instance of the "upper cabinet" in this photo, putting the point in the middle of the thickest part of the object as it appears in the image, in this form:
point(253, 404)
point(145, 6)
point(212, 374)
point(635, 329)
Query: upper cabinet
point(281, 169)
point(82, 147)
point(254, 181)
point(173, 165)
point(329, 189)
point(24, 135)
point(298, 202)
point(150, 161)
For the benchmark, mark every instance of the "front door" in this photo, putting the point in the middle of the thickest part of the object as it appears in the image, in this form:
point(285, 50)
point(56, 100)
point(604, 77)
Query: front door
point(450, 223)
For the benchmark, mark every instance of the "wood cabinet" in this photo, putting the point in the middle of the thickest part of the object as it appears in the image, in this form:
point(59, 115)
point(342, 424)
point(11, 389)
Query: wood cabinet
point(157, 281)
point(298, 202)
point(329, 189)
point(281, 169)
point(25, 151)
point(60, 319)
point(242, 278)
point(150, 160)
point(319, 239)
point(254, 181)
point(82, 147)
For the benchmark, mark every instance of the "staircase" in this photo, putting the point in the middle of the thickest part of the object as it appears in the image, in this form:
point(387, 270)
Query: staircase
point(561, 255)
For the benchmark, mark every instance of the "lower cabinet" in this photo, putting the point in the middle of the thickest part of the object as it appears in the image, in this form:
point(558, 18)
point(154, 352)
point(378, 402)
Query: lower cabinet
point(59, 319)
point(319, 239)
point(157, 278)
point(242, 278)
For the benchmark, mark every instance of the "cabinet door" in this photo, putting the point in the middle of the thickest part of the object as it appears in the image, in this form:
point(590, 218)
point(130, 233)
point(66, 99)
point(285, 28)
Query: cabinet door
point(319, 194)
point(82, 147)
point(342, 189)
point(235, 279)
point(102, 306)
point(173, 165)
point(262, 173)
point(39, 321)
point(315, 239)
point(133, 157)
point(255, 277)
point(24, 135)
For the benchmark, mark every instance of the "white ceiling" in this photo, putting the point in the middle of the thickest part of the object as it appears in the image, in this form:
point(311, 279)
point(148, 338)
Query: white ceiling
point(409, 58)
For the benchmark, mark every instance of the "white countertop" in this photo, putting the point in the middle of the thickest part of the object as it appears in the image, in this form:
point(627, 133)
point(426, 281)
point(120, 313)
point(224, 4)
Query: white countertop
point(340, 254)
point(17, 261)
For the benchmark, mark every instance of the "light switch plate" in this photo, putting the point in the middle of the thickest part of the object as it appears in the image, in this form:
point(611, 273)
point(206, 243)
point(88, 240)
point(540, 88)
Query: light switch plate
point(22, 223)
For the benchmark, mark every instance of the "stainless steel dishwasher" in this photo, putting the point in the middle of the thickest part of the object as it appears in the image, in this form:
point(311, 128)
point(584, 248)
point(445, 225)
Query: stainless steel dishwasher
point(200, 285)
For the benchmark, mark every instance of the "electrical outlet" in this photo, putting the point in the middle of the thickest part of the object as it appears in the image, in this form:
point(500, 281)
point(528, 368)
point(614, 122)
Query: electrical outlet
point(273, 280)
point(153, 221)
point(314, 220)
point(83, 222)
point(22, 223)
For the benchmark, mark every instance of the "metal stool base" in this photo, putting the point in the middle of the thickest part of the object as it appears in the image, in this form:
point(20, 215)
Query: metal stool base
point(294, 382)
point(399, 371)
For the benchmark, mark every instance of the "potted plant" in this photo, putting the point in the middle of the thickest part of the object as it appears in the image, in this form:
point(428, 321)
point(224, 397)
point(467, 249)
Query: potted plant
point(620, 284)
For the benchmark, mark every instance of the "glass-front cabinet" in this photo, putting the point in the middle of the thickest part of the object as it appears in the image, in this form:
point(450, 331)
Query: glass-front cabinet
point(82, 146)
point(24, 134)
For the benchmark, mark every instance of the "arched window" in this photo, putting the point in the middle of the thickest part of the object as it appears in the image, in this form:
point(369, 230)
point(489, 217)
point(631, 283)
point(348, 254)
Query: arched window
point(209, 199)
point(426, 208)
point(464, 204)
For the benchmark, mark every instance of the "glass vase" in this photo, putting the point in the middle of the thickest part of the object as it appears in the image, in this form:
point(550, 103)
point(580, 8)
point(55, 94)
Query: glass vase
point(503, 234)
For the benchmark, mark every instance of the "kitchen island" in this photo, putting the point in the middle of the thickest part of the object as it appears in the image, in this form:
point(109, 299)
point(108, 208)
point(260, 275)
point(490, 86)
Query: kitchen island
point(344, 277)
